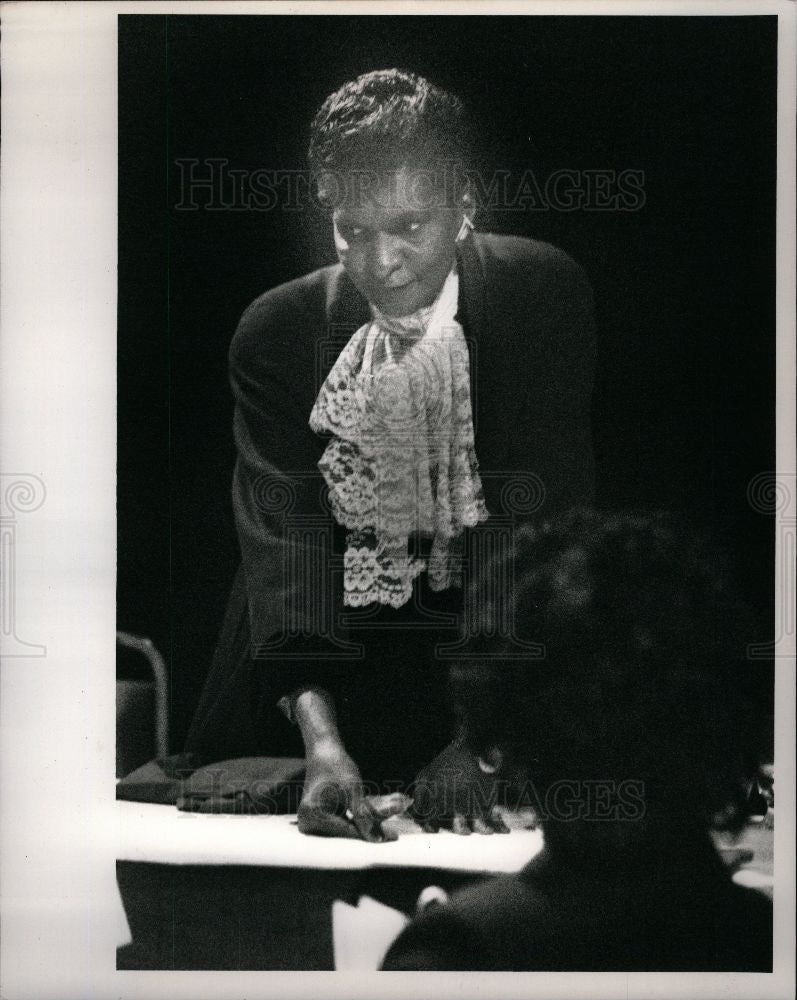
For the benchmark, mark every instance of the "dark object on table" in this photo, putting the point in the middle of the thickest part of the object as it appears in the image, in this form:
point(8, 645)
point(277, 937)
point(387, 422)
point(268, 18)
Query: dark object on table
point(263, 785)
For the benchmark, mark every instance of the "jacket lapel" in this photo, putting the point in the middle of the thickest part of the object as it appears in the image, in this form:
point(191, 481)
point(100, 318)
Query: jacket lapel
point(488, 357)
point(346, 309)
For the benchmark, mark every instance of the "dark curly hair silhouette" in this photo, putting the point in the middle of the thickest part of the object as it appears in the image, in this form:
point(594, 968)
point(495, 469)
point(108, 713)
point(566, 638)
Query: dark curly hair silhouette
point(643, 677)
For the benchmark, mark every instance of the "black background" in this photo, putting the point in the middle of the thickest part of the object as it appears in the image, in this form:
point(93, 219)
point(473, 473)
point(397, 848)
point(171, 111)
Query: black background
point(685, 287)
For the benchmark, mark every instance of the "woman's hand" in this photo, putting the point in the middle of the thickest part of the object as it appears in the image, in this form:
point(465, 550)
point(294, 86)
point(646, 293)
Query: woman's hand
point(333, 803)
point(458, 791)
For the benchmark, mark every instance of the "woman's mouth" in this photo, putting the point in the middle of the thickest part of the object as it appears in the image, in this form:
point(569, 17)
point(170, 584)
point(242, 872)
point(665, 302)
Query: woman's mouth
point(397, 284)
point(396, 299)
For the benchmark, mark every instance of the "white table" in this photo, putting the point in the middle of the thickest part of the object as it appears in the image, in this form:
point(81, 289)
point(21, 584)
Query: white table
point(164, 835)
point(240, 892)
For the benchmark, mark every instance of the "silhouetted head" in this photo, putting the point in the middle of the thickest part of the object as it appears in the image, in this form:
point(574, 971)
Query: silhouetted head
point(634, 722)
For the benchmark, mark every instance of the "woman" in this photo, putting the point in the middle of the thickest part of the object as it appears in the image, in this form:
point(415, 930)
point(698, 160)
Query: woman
point(634, 736)
point(394, 413)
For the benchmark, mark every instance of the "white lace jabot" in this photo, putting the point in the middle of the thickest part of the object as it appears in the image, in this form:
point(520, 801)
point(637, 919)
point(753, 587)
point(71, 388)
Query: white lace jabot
point(401, 460)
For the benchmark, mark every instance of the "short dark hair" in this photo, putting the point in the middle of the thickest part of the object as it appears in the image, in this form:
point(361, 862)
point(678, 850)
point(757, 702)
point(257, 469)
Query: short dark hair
point(388, 119)
point(644, 675)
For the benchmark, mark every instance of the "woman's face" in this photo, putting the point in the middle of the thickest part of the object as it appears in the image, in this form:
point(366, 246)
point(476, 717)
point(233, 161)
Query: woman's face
point(396, 240)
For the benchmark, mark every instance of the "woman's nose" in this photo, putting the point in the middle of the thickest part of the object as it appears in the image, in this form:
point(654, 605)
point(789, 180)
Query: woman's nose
point(385, 256)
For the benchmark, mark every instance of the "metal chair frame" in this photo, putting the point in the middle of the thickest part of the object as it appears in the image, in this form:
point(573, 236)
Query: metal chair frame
point(160, 679)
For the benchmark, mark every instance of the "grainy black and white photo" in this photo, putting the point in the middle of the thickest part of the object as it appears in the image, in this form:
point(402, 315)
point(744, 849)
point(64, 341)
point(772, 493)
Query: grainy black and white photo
point(452, 519)
point(446, 451)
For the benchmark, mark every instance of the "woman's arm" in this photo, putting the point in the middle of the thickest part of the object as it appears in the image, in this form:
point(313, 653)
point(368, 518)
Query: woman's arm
point(284, 528)
point(333, 804)
point(285, 531)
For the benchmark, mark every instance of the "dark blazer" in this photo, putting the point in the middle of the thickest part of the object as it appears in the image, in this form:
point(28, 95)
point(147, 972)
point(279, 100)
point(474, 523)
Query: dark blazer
point(527, 313)
point(673, 914)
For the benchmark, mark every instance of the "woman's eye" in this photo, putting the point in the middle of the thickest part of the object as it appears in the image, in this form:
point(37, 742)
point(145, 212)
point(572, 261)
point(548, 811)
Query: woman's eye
point(350, 233)
point(409, 228)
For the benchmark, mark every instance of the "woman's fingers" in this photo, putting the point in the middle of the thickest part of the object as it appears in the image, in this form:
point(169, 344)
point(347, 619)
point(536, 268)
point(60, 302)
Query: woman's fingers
point(383, 806)
point(481, 825)
point(361, 826)
point(368, 824)
point(461, 825)
point(317, 823)
point(364, 820)
point(496, 821)
point(386, 835)
point(464, 824)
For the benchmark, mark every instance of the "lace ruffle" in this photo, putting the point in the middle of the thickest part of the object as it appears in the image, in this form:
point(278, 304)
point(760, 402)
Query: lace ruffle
point(402, 458)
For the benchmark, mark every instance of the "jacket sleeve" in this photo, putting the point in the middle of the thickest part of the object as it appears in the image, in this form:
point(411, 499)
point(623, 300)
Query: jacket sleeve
point(284, 528)
point(556, 442)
